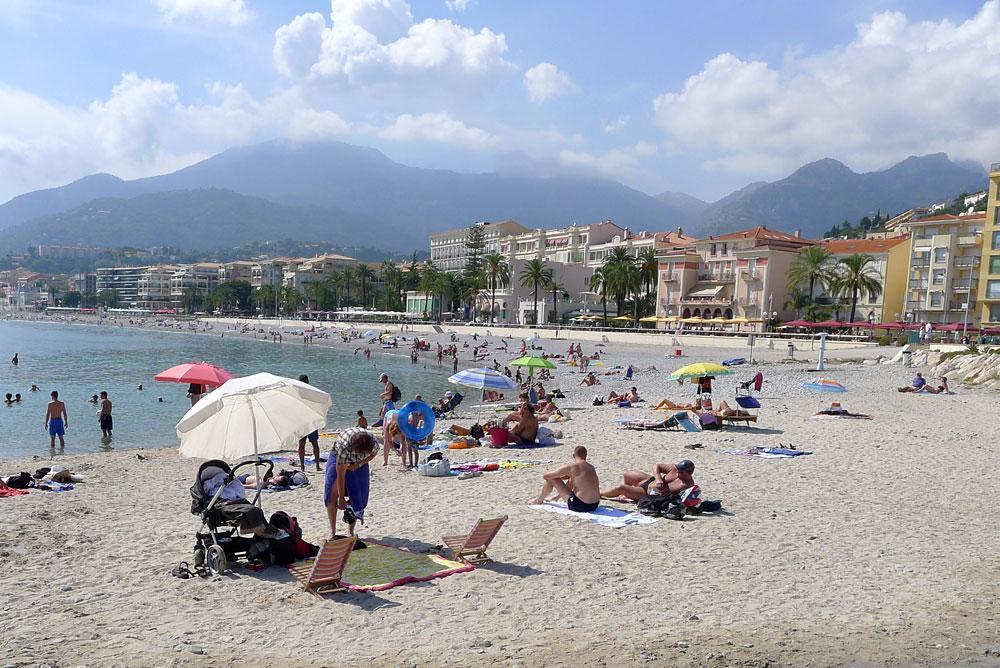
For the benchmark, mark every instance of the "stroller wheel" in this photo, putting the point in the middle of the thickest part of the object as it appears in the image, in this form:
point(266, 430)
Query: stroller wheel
point(199, 556)
point(217, 559)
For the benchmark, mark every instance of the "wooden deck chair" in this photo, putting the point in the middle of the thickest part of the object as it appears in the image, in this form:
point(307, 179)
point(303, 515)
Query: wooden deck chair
point(471, 547)
point(323, 575)
point(749, 407)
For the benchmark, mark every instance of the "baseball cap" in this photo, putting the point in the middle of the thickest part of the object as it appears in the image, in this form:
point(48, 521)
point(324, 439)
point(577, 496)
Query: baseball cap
point(685, 465)
point(449, 394)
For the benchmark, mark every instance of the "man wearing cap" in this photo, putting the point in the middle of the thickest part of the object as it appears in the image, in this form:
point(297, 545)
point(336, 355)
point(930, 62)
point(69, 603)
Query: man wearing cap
point(388, 403)
point(666, 479)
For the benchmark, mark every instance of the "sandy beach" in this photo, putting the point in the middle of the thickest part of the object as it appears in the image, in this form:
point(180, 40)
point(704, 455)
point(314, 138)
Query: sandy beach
point(879, 548)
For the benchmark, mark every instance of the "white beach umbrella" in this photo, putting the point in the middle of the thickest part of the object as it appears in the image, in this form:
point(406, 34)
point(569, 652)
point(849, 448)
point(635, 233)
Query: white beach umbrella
point(250, 415)
point(483, 379)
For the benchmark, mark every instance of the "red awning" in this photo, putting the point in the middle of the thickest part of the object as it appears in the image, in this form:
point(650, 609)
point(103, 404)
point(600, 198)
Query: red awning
point(828, 324)
point(859, 323)
point(796, 323)
point(895, 326)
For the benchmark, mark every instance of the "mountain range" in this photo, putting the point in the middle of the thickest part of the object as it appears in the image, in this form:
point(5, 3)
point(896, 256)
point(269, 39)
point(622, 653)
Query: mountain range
point(340, 193)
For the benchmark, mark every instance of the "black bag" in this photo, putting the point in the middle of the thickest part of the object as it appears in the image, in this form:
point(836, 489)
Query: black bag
point(22, 480)
point(397, 394)
point(261, 551)
point(476, 431)
point(662, 505)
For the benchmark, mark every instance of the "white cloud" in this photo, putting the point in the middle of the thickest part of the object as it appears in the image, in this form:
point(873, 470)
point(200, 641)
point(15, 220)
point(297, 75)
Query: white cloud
point(619, 163)
point(376, 41)
point(617, 125)
point(312, 124)
point(233, 12)
point(440, 128)
point(458, 5)
point(545, 82)
point(898, 88)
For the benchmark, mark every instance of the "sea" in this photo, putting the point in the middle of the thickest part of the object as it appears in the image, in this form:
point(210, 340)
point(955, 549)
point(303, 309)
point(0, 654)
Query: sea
point(80, 360)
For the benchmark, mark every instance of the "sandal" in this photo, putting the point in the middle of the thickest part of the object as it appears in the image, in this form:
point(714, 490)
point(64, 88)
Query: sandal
point(182, 571)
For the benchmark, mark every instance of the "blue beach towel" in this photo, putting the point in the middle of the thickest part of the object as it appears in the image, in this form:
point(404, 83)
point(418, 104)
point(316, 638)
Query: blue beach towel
point(51, 486)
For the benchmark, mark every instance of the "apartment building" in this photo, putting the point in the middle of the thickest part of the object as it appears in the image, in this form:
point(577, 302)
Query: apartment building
point(730, 275)
point(989, 275)
point(570, 245)
point(269, 272)
point(124, 281)
point(945, 252)
point(155, 289)
point(891, 261)
point(240, 270)
point(202, 277)
point(53, 250)
point(449, 252)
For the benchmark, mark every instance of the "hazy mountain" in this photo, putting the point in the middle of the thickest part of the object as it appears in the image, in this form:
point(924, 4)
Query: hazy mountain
point(404, 204)
point(825, 192)
point(195, 220)
point(688, 204)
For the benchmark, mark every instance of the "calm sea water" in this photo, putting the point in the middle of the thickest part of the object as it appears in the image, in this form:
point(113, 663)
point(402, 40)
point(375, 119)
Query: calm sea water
point(81, 360)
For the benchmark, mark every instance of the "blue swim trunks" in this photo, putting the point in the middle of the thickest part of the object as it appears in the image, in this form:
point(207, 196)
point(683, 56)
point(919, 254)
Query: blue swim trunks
point(56, 427)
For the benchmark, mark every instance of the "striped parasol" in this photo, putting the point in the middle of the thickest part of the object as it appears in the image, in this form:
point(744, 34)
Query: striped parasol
point(483, 379)
point(824, 385)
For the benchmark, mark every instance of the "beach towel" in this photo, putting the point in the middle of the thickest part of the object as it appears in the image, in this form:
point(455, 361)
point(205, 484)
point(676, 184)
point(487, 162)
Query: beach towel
point(605, 516)
point(50, 486)
point(382, 567)
point(11, 491)
point(734, 361)
point(767, 453)
point(643, 424)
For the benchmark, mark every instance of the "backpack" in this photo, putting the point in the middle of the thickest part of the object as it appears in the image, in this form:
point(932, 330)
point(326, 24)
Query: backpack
point(299, 548)
point(397, 394)
point(662, 505)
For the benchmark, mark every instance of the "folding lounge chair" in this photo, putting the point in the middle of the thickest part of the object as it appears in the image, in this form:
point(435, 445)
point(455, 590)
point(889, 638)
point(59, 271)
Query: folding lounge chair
point(683, 420)
point(752, 385)
point(471, 547)
point(748, 411)
point(323, 575)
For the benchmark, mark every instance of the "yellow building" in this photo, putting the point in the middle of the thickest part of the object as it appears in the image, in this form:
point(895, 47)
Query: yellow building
point(891, 261)
point(989, 273)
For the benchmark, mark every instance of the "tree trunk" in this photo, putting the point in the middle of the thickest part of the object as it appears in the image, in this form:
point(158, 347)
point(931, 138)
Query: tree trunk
point(493, 300)
point(536, 304)
point(854, 303)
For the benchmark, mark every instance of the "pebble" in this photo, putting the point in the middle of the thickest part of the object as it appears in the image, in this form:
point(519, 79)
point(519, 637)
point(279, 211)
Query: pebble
point(992, 650)
point(694, 618)
point(476, 644)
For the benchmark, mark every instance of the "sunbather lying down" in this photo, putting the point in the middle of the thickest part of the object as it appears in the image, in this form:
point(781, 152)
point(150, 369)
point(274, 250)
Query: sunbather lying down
point(836, 410)
point(664, 479)
point(668, 405)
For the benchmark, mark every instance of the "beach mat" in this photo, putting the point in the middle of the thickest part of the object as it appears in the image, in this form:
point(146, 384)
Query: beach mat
point(615, 518)
point(767, 453)
point(381, 567)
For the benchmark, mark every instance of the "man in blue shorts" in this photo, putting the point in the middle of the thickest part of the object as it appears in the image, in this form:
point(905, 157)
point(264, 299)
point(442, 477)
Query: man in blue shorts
point(56, 421)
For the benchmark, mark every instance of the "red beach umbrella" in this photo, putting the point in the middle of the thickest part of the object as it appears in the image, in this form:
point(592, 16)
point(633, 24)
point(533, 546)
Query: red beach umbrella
point(201, 373)
point(829, 324)
point(796, 323)
point(859, 324)
point(895, 326)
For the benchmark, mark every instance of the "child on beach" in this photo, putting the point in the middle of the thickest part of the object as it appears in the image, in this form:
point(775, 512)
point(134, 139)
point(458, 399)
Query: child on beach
point(362, 420)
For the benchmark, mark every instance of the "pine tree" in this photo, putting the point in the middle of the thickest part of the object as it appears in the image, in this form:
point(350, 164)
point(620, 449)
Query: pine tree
point(475, 243)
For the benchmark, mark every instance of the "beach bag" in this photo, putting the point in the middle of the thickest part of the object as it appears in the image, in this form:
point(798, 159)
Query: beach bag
point(22, 480)
point(290, 525)
point(545, 436)
point(499, 437)
point(708, 421)
point(476, 431)
point(435, 468)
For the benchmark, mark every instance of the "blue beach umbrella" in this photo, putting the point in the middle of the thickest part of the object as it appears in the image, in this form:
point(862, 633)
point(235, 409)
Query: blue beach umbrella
point(483, 379)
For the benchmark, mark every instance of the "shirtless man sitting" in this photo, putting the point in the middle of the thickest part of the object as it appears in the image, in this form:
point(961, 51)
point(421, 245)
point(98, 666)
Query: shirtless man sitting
point(632, 396)
point(665, 479)
point(590, 379)
point(526, 429)
point(575, 483)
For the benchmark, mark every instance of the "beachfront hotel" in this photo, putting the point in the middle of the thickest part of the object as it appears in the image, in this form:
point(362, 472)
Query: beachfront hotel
point(943, 276)
point(448, 249)
point(891, 262)
point(989, 273)
point(731, 275)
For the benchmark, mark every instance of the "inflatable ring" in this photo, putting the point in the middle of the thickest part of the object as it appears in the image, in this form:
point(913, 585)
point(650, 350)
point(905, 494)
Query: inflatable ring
point(410, 431)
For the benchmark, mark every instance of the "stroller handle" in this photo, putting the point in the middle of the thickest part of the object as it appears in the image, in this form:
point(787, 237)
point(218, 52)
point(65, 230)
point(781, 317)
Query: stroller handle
point(267, 474)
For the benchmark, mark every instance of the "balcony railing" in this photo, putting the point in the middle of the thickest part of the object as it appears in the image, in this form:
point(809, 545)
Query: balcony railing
point(716, 276)
point(920, 265)
point(995, 167)
point(918, 285)
point(750, 274)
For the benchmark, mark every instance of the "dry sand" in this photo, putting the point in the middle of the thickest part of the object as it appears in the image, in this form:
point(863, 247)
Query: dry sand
point(880, 548)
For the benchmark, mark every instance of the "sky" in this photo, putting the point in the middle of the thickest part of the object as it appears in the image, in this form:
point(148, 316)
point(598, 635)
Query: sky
point(696, 97)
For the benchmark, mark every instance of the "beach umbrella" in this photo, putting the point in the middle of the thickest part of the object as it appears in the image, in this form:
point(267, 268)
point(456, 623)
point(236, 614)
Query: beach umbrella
point(200, 373)
point(894, 326)
point(623, 318)
point(796, 323)
point(532, 363)
point(829, 324)
point(859, 324)
point(483, 379)
point(824, 385)
point(699, 370)
point(370, 333)
point(250, 415)
point(649, 318)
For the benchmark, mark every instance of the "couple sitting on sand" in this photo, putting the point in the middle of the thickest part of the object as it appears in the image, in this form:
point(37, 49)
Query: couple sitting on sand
point(919, 384)
point(577, 483)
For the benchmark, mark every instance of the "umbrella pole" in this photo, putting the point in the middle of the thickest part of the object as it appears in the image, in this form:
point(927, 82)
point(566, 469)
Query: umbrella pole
point(256, 455)
point(479, 411)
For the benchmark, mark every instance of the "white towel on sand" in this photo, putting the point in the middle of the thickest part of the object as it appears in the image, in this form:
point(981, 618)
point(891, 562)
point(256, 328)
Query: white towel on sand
point(605, 516)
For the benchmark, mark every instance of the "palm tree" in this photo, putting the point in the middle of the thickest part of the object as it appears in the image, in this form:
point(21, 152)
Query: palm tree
point(797, 300)
point(365, 274)
point(599, 283)
point(346, 280)
point(292, 299)
point(634, 278)
point(498, 274)
point(650, 267)
point(431, 283)
point(387, 270)
point(857, 274)
point(535, 275)
point(812, 265)
point(557, 290)
point(617, 272)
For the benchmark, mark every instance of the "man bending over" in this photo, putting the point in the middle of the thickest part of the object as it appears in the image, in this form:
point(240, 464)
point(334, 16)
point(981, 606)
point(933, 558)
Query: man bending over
point(665, 479)
point(575, 483)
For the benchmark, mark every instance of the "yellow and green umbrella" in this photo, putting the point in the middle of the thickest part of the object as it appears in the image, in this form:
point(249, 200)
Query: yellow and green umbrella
point(533, 362)
point(699, 370)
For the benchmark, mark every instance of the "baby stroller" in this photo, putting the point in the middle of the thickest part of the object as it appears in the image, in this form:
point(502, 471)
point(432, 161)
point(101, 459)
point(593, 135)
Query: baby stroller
point(217, 542)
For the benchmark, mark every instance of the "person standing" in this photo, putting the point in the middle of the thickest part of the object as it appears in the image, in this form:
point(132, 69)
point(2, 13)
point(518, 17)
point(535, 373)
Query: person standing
point(312, 438)
point(56, 421)
point(195, 390)
point(14, 360)
point(104, 416)
point(347, 483)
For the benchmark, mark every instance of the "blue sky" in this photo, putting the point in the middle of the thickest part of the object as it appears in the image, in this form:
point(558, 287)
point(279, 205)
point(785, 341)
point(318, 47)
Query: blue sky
point(695, 97)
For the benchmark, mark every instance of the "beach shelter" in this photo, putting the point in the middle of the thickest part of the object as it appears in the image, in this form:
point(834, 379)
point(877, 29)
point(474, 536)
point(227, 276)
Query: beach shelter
point(699, 370)
point(200, 373)
point(796, 323)
point(483, 379)
point(860, 324)
point(824, 385)
point(829, 324)
point(251, 415)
